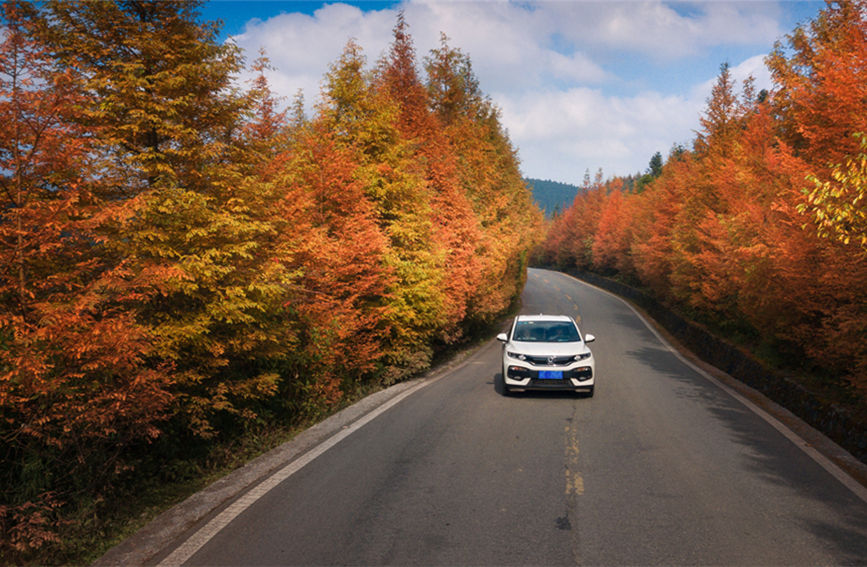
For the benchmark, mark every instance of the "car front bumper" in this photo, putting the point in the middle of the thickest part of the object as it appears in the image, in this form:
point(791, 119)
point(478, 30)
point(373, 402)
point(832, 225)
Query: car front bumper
point(577, 378)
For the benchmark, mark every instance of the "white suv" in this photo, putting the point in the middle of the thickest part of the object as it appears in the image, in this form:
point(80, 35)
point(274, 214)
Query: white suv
point(547, 352)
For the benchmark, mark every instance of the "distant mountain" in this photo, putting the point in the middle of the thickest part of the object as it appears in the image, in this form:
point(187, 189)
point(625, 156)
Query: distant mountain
point(552, 196)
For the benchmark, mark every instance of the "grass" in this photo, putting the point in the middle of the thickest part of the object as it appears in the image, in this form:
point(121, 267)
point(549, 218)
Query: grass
point(98, 525)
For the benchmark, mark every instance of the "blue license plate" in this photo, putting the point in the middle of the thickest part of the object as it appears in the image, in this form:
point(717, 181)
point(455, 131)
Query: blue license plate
point(550, 375)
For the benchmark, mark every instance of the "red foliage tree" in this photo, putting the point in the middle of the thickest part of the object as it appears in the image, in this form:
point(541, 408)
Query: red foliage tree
point(721, 229)
point(613, 236)
point(821, 84)
point(331, 239)
point(488, 178)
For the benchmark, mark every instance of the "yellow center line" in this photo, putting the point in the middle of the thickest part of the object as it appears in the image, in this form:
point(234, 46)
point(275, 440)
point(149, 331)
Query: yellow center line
point(574, 479)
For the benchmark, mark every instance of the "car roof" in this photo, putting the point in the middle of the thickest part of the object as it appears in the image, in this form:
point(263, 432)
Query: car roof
point(542, 317)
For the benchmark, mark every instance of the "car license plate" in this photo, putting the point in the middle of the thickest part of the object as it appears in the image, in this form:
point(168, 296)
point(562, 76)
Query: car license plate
point(550, 375)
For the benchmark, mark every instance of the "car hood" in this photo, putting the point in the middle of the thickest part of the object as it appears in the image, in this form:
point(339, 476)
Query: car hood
point(540, 349)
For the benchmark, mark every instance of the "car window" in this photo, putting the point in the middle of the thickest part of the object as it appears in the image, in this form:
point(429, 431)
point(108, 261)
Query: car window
point(545, 332)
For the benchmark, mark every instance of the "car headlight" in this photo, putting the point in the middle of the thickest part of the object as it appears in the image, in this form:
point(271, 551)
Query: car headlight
point(516, 355)
point(578, 357)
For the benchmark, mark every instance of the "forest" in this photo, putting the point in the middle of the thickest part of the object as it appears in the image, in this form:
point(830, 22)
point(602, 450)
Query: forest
point(759, 230)
point(552, 196)
point(182, 261)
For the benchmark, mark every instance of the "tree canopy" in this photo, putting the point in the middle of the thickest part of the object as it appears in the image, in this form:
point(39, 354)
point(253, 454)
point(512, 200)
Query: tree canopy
point(759, 228)
point(182, 259)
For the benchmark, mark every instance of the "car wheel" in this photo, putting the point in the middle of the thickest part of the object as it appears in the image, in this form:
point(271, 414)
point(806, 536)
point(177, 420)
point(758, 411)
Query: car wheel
point(590, 392)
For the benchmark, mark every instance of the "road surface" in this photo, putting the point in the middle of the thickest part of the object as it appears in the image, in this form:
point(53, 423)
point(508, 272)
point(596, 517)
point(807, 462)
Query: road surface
point(662, 466)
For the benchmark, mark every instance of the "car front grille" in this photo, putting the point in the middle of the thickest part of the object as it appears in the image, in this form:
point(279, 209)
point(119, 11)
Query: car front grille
point(550, 360)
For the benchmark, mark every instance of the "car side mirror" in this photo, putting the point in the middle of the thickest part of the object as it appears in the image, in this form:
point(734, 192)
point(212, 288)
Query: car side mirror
point(588, 338)
point(503, 338)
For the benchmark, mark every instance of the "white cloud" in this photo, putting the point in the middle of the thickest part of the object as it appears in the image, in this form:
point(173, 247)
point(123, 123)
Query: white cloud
point(576, 67)
point(661, 30)
point(753, 67)
point(301, 47)
point(561, 134)
point(581, 84)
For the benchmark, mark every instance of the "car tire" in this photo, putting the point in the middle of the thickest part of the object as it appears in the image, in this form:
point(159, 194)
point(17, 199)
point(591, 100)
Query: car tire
point(506, 391)
point(590, 392)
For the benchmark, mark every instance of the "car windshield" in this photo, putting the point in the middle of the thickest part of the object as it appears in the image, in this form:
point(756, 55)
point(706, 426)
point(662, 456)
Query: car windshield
point(546, 332)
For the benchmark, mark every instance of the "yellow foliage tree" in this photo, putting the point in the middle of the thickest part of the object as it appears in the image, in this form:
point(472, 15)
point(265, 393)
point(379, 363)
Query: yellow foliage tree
point(838, 206)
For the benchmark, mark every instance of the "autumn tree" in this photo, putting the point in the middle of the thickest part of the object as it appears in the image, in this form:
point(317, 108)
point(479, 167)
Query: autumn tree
point(161, 88)
point(611, 242)
point(700, 261)
point(366, 119)
point(820, 74)
point(331, 239)
point(820, 105)
point(488, 174)
point(455, 229)
point(654, 215)
point(76, 389)
point(838, 206)
point(453, 88)
point(266, 130)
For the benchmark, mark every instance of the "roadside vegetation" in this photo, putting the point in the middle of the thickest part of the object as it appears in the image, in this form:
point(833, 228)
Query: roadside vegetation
point(187, 270)
point(759, 230)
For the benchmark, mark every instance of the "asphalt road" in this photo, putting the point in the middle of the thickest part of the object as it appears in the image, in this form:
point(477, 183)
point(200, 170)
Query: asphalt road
point(662, 466)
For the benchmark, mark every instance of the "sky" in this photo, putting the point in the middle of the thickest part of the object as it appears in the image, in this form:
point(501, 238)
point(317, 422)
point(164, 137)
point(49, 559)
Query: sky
point(582, 85)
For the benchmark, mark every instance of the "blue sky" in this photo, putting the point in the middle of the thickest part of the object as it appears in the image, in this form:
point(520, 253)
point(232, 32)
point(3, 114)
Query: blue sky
point(582, 84)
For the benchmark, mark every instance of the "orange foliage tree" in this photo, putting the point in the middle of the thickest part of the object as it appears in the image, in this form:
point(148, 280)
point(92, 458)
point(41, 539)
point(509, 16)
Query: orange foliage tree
point(821, 77)
point(366, 120)
point(182, 259)
point(611, 243)
point(76, 391)
point(331, 240)
point(488, 175)
point(733, 228)
point(455, 226)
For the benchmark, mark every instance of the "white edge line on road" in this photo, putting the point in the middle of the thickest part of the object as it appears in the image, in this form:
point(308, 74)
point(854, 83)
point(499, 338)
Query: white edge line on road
point(195, 542)
point(856, 487)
